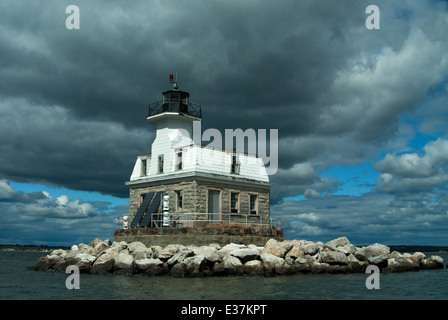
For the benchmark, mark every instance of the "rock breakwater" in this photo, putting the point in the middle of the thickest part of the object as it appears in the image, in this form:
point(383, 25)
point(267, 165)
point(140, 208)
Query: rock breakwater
point(275, 258)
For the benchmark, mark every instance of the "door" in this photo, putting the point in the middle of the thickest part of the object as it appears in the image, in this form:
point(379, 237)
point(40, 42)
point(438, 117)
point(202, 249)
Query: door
point(213, 205)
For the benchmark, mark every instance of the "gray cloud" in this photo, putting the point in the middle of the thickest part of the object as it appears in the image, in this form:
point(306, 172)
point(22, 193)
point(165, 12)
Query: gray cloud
point(373, 217)
point(410, 172)
point(73, 102)
point(39, 218)
point(50, 144)
point(312, 70)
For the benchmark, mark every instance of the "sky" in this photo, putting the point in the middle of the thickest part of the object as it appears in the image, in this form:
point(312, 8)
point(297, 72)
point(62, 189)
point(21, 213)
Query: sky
point(361, 113)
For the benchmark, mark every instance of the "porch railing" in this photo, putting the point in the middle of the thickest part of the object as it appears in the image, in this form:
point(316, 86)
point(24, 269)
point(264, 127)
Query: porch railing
point(212, 220)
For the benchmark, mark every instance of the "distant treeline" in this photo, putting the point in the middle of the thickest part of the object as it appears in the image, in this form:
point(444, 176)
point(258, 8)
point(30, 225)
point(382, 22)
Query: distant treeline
point(30, 247)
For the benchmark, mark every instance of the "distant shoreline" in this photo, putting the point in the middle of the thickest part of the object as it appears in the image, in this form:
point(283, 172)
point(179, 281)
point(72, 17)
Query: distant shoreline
point(414, 248)
point(29, 247)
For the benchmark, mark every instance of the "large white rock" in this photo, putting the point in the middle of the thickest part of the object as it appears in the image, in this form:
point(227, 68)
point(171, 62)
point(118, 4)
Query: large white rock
point(310, 248)
point(333, 258)
point(209, 252)
point(246, 254)
point(84, 261)
point(276, 248)
point(230, 247)
point(179, 256)
point(102, 265)
point(169, 251)
point(273, 263)
point(123, 263)
point(339, 242)
point(229, 265)
point(253, 267)
point(136, 246)
point(100, 248)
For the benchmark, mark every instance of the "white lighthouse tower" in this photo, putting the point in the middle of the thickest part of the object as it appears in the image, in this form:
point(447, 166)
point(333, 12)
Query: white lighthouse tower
point(184, 185)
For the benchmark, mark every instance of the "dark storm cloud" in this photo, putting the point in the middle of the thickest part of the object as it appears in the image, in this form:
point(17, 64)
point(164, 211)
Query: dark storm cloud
point(74, 101)
point(50, 144)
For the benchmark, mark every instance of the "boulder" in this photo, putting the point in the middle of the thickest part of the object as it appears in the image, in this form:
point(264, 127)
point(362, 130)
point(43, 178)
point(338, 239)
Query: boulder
point(123, 263)
point(84, 261)
point(419, 256)
point(84, 248)
point(293, 243)
point(253, 267)
point(100, 248)
point(190, 266)
point(434, 262)
point(339, 242)
point(310, 248)
point(209, 252)
point(275, 248)
point(170, 250)
point(231, 264)
point(139, 250)
point(136, 246)
point(151, 266)
point(104, 264)
point(43, 264)
point(229, 248)
point(59, 252)
point(302, 265)
point(60, 265)
point(54, 258)
point(380, 261)
point(155, 251)
point(94, 242)
point(401, 264)
point(195, 265)
point(295, 253)
point(275, 264)
point(179, 256)
point(287, 244)
point(334, 258)
point(122, 245)
point(218, 268)
point(317, 267)
point(373, 250)
point(246, 254)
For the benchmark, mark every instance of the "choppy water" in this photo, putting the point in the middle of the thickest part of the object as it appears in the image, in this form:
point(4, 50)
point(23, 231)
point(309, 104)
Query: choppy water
point(17, 281)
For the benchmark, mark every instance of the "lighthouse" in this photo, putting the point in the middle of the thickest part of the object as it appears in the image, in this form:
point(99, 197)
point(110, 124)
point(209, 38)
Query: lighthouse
point(185, 191)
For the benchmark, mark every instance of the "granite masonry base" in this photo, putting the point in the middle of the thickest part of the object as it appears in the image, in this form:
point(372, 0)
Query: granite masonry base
point(198, 235)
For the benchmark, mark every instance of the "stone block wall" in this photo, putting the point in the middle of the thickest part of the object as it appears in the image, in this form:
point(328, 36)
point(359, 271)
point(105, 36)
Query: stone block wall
point(195, 197)
point(198, 236)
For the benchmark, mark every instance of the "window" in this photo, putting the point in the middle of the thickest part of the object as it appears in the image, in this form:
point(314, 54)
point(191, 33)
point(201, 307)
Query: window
point(235, 168)
point(179, 199)
point(253, 204)
point(143, 167)
point(160, 170)
point(179, 160)
point(234, 202)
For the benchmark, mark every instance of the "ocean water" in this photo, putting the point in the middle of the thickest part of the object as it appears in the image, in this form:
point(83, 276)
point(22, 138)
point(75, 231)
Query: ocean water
point(19, 282)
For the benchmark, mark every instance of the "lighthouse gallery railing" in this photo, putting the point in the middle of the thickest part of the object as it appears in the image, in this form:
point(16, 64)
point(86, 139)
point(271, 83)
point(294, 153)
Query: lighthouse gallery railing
point(189, 108)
